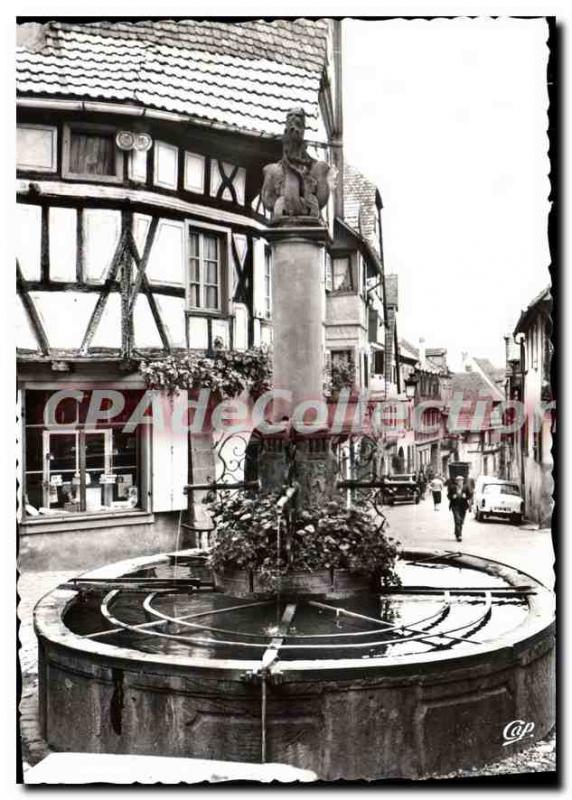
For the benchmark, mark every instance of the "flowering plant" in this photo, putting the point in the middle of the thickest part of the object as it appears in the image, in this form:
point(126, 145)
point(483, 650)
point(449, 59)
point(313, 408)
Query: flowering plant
point(341, 375)
point(329, 537)
point(227, 372)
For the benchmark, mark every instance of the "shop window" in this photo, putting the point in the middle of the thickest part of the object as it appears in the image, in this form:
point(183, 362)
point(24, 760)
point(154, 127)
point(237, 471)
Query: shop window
point(91, 154)
point(205, 270)
point(82, 468)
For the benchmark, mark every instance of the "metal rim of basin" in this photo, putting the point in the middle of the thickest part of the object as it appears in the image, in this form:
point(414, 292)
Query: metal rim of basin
point(50, 611)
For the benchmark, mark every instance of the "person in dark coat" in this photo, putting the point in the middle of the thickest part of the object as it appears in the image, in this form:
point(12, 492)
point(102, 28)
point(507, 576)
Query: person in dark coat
point(459, 501)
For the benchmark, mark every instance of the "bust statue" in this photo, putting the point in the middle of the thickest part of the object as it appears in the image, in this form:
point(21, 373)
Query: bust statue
point(297, 185)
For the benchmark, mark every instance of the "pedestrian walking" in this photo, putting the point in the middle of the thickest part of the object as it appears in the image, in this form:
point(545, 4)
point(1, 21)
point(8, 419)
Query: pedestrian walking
point(422, 483)
point(437, 491)
point(459, 502)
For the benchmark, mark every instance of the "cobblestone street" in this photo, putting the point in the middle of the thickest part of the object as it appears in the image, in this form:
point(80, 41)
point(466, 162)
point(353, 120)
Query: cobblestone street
point(422, 526)
point(413, 525)
point(31, 588)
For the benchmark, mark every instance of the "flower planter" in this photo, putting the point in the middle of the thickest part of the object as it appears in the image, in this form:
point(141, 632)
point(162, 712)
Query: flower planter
point(331, 582)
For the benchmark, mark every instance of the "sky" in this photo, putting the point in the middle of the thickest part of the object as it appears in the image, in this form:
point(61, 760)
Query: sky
point(448, 118)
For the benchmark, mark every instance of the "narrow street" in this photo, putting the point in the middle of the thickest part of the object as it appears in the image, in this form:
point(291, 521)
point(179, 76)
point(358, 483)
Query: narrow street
point(421, 526)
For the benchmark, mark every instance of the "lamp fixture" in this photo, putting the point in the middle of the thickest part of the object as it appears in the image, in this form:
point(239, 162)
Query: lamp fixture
point(128, 140)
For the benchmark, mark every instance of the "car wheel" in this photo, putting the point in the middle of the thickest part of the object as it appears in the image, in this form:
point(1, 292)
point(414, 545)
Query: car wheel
point(516, 519)
point(478, 515)
point(417, 498)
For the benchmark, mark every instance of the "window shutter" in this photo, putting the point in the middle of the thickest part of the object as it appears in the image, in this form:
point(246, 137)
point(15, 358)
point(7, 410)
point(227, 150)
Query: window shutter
point(170, 453)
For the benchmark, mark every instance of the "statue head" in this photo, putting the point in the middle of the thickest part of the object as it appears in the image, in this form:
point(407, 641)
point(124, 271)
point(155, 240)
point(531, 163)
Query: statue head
point(295, 126)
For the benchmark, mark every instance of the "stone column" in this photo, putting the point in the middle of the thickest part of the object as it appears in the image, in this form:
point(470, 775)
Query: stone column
point(298, 309)
point(298, 313)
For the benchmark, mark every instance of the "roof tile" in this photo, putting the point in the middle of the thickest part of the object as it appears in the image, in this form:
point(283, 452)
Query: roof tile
point(245, 75)
point(360, 211)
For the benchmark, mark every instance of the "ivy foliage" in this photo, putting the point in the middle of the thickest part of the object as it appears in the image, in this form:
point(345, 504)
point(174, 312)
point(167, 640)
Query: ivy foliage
point(310, 539)
point(226, 372)
point(340, 375)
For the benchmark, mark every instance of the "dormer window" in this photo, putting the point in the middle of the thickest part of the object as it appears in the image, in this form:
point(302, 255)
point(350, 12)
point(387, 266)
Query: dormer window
point(91, 154)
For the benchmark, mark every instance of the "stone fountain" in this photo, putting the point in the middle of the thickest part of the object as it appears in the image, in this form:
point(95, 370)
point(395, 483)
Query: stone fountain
point(150, 657)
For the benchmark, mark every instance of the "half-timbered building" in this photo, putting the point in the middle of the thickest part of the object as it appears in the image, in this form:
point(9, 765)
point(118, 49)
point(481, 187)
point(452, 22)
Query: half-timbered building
point(141, 233)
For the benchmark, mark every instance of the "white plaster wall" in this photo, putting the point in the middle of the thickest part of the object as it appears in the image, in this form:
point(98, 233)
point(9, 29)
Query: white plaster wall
point(28, 241)
point(64, 315)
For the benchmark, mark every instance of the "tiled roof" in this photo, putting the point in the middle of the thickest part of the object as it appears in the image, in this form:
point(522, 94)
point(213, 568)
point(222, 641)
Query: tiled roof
point(407, 350)
point(359, 205)
point(243, 75)
point(495, 374)
point(544, 298)
point(473, 386)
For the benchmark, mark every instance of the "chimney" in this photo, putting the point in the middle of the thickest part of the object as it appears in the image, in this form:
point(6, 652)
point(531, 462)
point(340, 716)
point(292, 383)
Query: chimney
point(467, 366)
point(31, 36)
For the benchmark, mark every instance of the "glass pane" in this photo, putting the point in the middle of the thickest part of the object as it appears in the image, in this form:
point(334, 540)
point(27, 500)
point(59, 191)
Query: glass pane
point(212, 297)
point(66, 410)
point(194, 245)
point(34, 461)
point(34, 492)
point(94, 451)
point(125, 470)
point(124, 450)
point(92, 154)
point(211, 276)
point(195, 295)
point(62, 453)
point(341, 269)
point(211, 248)
point(195, 270)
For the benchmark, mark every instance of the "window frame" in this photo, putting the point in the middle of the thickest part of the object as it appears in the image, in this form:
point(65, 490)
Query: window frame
point(223, 236)
point(106, 516)
point(53, 130)
point(350, 276)
point(83, 127)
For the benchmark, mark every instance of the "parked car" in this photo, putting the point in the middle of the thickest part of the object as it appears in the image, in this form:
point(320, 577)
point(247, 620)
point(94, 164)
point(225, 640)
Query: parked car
point(497, 498)
point(401, 488)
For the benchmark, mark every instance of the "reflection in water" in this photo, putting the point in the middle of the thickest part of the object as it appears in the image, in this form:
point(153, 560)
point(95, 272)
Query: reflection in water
point(215, 625)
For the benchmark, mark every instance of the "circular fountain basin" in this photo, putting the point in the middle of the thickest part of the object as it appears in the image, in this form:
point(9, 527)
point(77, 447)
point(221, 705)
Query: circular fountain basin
point(406, 682)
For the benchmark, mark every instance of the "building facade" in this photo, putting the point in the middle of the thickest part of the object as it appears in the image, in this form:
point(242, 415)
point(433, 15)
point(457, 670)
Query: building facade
point(142, 235)
point(529, 359)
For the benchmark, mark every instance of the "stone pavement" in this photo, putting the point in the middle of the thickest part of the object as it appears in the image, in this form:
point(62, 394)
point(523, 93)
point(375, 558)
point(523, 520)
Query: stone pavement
point(421, 526)
point(412, 525)
point(529, 550)
point(31, 587)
